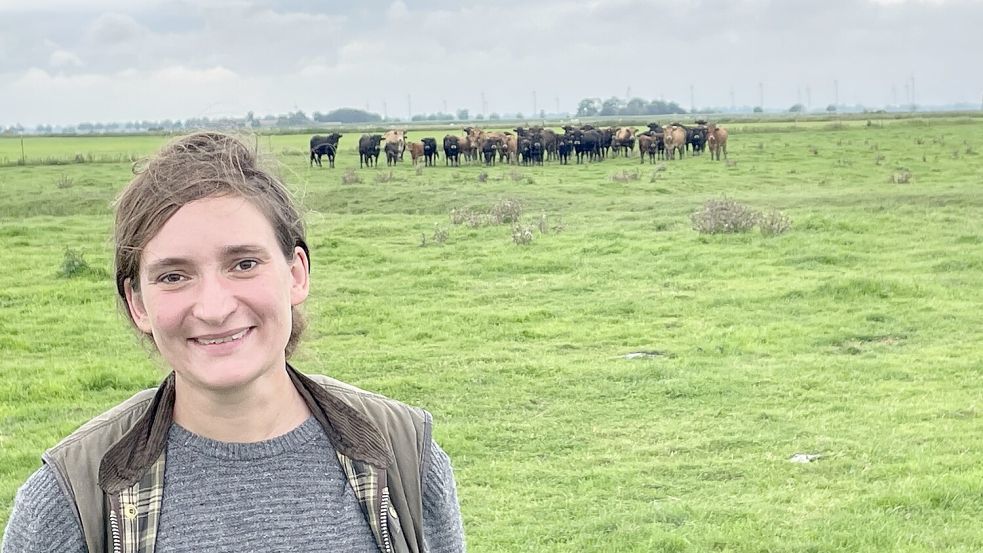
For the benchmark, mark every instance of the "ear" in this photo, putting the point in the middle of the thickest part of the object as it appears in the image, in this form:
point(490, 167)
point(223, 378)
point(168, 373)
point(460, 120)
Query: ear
point(299, 276)
point(138, 311)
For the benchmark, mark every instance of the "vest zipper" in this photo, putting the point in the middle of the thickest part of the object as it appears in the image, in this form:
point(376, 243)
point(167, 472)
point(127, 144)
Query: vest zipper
point(384, 520)
point(114, 524)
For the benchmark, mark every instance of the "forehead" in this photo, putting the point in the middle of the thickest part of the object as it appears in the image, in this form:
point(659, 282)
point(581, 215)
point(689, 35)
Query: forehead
point(211, 224)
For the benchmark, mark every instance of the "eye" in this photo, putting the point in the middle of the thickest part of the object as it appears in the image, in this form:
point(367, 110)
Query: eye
point(170, 278)
point(245, 265)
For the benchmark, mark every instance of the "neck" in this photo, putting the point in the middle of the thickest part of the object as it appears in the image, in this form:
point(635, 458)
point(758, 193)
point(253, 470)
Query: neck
point(266, 408)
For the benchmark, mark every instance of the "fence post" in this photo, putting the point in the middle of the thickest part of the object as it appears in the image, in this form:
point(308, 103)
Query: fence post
point(23, 158)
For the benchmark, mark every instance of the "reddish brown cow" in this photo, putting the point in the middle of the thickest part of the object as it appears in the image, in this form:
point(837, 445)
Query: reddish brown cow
point(716, 140)
point(416, 150)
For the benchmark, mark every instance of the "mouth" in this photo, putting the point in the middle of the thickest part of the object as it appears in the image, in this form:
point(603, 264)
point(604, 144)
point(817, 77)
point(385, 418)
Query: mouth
point(223, 338)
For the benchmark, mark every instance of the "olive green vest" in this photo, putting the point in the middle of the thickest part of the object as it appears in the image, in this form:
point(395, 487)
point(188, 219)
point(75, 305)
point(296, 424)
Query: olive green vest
point(112, 468)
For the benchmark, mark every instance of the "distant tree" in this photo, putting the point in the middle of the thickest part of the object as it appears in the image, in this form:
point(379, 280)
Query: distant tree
point(758, 109)
point(612, 106)
point(494, 117)
point(418, 117)
point(797, 108)
point(589, 107)
point(519, 116)
point(661, 107)
point(831, 108)
point(463, 115)
point(479, 117)
point(350, 115)
point(542, 114)
point(635, 106)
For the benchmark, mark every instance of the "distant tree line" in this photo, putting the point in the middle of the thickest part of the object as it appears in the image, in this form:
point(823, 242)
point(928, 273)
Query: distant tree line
point(590, 107)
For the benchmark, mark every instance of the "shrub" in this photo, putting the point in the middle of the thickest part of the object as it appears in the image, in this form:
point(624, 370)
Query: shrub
point(438, 237)
point(350, 177)
point(902, 176)
point(382, 178)
point(521, 234)
point(506, 211)
point(773, 222)
point(724, 215)
point(74, 264)
point(625, 175)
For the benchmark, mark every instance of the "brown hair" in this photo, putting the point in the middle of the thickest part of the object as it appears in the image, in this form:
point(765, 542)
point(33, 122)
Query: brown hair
point(194, 167)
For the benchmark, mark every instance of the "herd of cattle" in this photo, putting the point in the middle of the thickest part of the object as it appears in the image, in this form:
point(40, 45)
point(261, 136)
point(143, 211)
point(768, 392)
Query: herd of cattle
point(534, 145)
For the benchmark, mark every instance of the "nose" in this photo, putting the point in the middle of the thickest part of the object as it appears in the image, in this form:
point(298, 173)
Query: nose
point(216, 299)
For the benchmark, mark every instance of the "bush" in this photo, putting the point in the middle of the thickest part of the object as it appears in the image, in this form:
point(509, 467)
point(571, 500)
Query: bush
point(903, 176)
point(506, 211)
point(382, 178)
point(724, 216)
point(74, 264)
point(625, 175)
point(521, 234)
point(773, 223)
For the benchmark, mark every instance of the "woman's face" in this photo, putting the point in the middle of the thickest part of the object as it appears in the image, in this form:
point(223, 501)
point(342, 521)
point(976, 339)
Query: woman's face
point(216, 293)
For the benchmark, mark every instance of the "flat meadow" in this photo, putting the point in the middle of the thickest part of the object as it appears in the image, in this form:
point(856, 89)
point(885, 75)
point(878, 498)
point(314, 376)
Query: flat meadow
point(620, 382)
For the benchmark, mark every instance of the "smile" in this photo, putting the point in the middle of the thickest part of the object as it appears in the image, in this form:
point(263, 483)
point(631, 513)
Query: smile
point(223, 339)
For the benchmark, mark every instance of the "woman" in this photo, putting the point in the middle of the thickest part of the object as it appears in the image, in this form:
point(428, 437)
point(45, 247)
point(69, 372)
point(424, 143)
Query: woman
point(236, 450)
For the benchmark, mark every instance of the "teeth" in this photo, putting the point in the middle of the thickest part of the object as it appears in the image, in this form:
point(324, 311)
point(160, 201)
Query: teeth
point(235, 336)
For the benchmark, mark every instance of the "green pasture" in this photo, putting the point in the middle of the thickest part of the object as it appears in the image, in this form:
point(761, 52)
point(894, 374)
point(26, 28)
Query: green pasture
point(854, 336)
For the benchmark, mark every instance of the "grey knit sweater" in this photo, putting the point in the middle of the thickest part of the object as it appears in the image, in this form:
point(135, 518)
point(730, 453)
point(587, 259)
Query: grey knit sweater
point(287, 494)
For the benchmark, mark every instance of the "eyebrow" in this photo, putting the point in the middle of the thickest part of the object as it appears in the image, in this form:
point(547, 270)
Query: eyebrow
point(228, 251)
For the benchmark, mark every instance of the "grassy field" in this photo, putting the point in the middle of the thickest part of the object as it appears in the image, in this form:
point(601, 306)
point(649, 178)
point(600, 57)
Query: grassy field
point(854, 336)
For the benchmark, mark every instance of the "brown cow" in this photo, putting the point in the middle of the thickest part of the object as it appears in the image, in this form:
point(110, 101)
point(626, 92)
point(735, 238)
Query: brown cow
point(416, 151)
point(623, 140)
point(675, 139)
point(647, 144)
point(511, 148)
point(716, 140)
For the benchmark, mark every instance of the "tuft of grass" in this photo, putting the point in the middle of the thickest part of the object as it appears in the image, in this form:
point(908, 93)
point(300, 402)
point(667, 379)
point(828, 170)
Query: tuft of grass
point(773, 222)
point(522, 235)
point(350, 177)
point(382, 178)
point(74, 265)
point(625, 175)
point(483, 176)
point(901, 176)
point(64, 181)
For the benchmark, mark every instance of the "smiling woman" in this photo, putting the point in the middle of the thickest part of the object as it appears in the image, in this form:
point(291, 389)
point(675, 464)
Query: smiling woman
point(212, 266)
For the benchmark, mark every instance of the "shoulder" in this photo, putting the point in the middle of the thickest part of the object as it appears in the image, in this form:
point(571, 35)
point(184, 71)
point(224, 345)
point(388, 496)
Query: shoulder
point(80, 454)
point(363, 399)
point(122, 415)
point(42, 518)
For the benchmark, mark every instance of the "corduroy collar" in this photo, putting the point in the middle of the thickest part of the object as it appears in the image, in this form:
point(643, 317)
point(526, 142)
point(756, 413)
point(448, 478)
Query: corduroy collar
point(350, 432)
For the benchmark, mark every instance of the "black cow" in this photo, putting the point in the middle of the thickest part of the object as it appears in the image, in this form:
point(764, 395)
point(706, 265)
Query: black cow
point(368, 149)
point(451, 150)
point(697, 138)
point(429, 150)
point(324, 146)
point(564, 146)
point(393, 151)
point(489, 147)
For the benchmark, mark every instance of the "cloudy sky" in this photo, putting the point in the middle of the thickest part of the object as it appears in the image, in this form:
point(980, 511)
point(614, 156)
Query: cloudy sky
point(65, 61)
